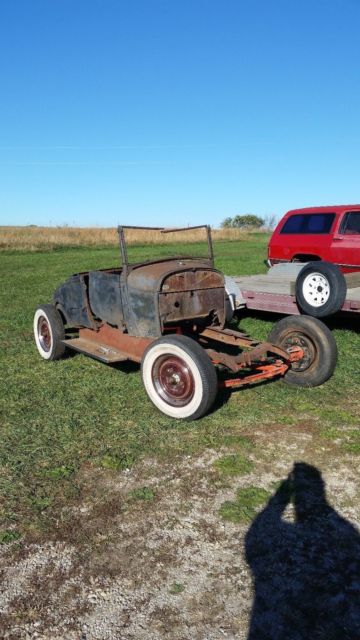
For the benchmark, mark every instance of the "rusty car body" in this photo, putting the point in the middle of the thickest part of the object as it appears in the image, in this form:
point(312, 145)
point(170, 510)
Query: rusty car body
point(169, 314)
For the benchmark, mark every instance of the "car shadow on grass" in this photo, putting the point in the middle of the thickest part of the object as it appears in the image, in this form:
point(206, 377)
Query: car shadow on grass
point(125, 366)
point(305, 565)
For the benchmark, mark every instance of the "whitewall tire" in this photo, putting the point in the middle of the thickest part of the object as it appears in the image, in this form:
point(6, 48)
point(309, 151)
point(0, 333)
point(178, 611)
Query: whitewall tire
point(49, 332)
point(179, 377)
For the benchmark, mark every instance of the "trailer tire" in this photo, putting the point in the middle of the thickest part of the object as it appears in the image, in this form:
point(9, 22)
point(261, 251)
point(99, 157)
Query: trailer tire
point(49, 332)
point(318, 344)
point(320, 289)
point(179, 377)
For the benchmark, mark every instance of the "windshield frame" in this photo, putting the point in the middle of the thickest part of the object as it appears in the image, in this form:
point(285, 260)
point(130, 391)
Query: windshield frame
point(123, 244)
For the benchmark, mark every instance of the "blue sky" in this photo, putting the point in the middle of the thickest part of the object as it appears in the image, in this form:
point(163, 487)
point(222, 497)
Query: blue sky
point(176, 111)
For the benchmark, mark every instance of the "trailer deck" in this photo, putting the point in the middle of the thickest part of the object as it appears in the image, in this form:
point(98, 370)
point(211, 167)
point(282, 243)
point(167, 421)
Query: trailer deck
point(274, 291)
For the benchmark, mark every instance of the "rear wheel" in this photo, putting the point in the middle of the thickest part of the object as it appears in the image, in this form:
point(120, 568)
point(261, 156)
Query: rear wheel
point(320, 289)
point(318, 346)
point(179, 377)
point(49, 332)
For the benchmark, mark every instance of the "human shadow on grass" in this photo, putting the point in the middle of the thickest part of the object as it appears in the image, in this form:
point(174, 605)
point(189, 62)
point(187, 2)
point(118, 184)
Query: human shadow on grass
point(306, 572)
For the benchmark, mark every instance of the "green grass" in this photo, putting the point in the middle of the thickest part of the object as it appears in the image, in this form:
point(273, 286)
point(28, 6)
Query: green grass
point(7, 536)
point(349, 438)
point(245, 506)
point(176, 588)
point(144, 494)
point(60, 418)
point(234, 464)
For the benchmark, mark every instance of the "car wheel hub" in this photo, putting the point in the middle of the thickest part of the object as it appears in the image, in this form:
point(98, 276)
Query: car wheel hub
point(44, 334)
point(308, 349)
point(173, 380)
point(316, 289)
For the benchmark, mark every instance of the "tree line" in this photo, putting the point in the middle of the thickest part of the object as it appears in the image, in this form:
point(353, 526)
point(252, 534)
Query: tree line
point(248, 221)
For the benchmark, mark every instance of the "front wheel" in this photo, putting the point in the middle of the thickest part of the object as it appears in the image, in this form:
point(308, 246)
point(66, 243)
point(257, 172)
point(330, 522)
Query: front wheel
point(317, 343)
point(179, 377)
point(49, 332)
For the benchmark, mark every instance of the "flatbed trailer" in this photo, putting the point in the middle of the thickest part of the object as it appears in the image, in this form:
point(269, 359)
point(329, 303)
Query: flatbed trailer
point(274, 291)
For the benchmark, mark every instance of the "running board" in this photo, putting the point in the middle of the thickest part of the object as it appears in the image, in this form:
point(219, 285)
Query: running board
point(93, 349)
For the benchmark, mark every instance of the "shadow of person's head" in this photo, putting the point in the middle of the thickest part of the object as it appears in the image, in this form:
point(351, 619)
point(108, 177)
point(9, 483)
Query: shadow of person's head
point(308, 492)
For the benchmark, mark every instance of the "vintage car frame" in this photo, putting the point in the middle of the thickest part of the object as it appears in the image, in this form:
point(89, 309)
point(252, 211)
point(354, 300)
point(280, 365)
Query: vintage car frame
point(169, 314)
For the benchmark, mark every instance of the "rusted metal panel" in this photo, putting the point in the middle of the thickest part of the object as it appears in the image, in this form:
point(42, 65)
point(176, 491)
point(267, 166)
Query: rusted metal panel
point(105, 296)
point(193, 304)
point(201, 293)
point(84, 285)
point(190, 280)
point(150, 276)
point(132, 347)
point(96, 350)
point(71, 298)
point(142, 315)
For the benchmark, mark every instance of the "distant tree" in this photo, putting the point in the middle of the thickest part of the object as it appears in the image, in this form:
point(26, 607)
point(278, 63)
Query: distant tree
point(270, 222)
point(227, 223)
point(248, 220)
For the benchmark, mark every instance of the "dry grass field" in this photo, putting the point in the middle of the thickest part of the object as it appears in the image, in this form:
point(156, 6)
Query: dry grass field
point(34, 238)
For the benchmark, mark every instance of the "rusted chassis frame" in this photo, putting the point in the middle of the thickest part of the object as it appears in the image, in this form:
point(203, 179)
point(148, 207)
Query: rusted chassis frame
point(255, 361)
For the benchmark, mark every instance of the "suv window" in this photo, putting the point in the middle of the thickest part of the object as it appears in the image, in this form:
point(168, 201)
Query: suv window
point(309, 223)
point(351, 223)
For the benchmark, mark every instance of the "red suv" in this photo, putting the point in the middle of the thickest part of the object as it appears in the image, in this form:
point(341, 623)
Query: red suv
point(331, 234)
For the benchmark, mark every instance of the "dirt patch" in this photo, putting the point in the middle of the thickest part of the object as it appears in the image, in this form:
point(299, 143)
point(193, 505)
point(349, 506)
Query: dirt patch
point(146, 555)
